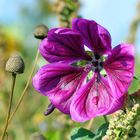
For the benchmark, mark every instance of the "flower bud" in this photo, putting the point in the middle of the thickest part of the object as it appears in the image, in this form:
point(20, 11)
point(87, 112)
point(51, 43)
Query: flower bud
point(41, 31)
point(50, 109)
point(15, 64)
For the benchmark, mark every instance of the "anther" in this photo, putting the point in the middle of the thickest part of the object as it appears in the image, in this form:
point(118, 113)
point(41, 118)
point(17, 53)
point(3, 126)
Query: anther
point(97, 56)
point(95, 63)
point(101, 64)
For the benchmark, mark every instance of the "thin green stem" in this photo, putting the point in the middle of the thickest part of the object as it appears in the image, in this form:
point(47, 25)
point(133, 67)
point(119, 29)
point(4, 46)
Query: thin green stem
point(26, 87)
point(105, 118)
point(9, 106)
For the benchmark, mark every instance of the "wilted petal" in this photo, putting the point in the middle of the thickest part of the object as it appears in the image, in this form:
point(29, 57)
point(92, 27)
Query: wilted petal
point(94, 99)
point(59, 82)
point(120, 68)
point(63, 45)
point(96, 37)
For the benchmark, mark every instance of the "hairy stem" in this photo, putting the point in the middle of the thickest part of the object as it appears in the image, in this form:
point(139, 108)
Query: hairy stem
point(9, 106)
point(26, 87)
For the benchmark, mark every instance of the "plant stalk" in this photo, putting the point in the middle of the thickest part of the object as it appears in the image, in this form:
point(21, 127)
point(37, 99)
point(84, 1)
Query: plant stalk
point(105, 118)
point(25, 89)
point(9, 106)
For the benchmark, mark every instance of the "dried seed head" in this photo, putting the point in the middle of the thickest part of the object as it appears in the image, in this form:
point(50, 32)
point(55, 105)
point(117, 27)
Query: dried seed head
point(41, 31)
point(15, 64)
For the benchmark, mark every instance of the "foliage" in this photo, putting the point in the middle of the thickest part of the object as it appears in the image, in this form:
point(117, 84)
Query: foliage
point(85, 134)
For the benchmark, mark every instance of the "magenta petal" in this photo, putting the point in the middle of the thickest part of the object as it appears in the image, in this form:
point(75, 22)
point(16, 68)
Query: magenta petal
point(117, 104)
point(120, 68)
point(50, 75)
point(59, 82)
point(63, 94)
point(63, 45)
point(96, 37)
point(94, 99)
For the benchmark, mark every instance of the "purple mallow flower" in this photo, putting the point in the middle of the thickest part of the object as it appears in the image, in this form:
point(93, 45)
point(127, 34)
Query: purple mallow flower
point(81, 90)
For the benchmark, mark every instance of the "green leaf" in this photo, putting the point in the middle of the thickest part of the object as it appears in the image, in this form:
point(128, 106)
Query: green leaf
point(101, 132)
point(81, 134)
point(84, 134)
point(134, 86)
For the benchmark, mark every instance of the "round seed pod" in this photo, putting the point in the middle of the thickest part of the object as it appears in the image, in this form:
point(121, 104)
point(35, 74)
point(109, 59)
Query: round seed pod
point(41, 31)
point(15, 64)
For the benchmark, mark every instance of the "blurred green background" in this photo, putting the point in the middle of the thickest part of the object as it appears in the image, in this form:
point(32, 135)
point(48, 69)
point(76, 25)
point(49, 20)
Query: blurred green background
point(18, 20)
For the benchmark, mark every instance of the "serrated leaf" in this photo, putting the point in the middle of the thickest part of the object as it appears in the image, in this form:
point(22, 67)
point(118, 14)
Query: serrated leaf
point(81, 134)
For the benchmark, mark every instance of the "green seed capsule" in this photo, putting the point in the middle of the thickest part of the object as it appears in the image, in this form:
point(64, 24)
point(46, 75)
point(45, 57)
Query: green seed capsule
point(15, 64)
point(41, 31)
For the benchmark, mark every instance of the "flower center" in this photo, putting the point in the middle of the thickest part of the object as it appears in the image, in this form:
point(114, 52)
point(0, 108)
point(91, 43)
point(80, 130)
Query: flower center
point(97, 63)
